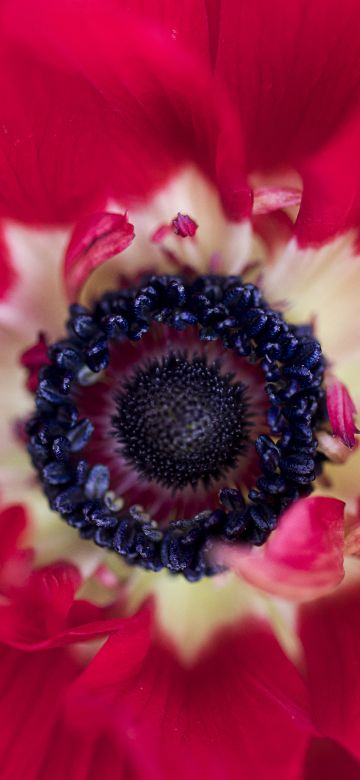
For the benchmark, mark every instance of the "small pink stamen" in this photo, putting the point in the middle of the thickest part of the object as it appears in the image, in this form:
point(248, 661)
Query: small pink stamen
point(184, 226)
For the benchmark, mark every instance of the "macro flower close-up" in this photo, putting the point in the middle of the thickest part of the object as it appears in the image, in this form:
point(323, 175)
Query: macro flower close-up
point(180, 389)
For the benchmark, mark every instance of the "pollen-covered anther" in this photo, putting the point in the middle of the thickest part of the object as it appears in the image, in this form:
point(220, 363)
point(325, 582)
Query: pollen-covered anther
point(181, 421)
point(184, 225)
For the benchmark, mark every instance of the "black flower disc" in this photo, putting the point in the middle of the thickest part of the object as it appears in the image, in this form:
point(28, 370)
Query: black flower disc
point(180, 420)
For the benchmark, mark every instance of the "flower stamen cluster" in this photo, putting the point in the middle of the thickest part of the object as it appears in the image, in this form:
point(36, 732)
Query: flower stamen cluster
point(220, 308)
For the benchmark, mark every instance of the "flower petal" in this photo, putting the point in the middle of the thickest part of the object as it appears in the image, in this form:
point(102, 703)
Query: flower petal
point(267, 199)
point(15, 563)
point(31, 688)
point(294, 72)
point(341, 411)
point(95, 239)
point(40, 606)
point(126, 115)
point(202, 720)
point(43, 612)
point(303, 557)
point(330, 633)
point(327, 759)
point(13, 522)
point(331, 199)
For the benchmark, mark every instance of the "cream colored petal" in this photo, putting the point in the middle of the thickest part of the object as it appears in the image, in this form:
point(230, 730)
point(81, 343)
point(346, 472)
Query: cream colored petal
point(321, 285)
point(38, 298)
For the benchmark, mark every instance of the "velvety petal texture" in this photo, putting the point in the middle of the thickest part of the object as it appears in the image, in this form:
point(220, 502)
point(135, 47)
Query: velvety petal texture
point(215, 719)
point(256, 72)
point(42, 612)
point(293, 71)
point(327, 759)
point(94, 240)
point(329, 630)
point(341, 410)
point(146, 119)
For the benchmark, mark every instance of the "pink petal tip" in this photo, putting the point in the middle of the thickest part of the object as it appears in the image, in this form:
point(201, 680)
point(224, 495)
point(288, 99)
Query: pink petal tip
point(96, 238)
point(341, 411)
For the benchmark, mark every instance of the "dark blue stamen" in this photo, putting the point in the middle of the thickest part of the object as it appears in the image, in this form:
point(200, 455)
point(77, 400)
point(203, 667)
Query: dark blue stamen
point(220, 308)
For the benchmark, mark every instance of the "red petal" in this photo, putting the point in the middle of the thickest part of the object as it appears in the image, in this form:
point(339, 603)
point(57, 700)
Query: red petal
point(35, 740)
point(42, 613)
point(329, 630)
point(327, 759)
point(13, 522)
point(331, 176)
point(239, 711)
point(341, 411)
point(40, 607)
point(303, 557)
point(294, 71)
point(30, 692)
point(125, 116)
point(96, 238)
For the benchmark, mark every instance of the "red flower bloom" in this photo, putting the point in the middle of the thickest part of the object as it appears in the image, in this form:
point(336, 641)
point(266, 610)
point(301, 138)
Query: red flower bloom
point(201, 140)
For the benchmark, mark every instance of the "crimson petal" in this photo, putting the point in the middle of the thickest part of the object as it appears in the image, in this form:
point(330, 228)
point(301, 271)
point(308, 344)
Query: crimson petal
point(330, 633)
point(43, 613)
point(327, 759)
point(31, 687)
point(220, 717)
point(294, 72)
point(95, 239)
point(126, 116)
point(13, 522)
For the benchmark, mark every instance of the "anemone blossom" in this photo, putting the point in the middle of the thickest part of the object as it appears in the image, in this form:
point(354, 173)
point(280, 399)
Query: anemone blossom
point(180, 206)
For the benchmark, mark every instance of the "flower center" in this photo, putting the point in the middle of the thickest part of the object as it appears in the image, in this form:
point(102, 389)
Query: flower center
point(180, 421)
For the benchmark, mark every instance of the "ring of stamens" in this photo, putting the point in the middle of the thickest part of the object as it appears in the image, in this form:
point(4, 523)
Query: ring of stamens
point(220, 308)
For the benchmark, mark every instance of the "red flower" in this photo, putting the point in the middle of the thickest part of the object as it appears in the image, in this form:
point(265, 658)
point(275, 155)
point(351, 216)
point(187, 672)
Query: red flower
point(105, 106)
